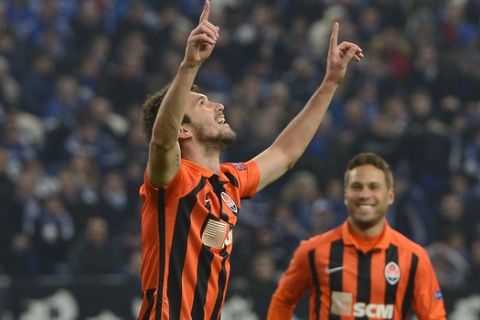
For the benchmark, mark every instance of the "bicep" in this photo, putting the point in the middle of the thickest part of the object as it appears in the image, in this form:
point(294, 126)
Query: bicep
point(272, 164)
point(163, 164)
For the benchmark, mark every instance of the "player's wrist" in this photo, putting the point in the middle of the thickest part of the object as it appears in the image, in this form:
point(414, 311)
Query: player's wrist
point(189, 66)
point(331, 83)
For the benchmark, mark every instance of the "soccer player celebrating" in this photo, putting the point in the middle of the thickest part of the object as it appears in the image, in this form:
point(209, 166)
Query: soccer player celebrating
point(190, 200)
point(362, 269)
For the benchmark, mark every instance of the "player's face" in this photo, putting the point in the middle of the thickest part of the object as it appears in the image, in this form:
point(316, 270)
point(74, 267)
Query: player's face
point(367, 196)
point(208, 122)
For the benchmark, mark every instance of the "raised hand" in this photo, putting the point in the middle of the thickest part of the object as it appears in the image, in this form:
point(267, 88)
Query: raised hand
point(339, 55)
point(202, 39)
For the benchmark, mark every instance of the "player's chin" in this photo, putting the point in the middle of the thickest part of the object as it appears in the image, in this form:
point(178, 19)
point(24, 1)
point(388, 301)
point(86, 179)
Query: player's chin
point(228, 138)
point(230, 134)
point(364, 219)
point(365, 223)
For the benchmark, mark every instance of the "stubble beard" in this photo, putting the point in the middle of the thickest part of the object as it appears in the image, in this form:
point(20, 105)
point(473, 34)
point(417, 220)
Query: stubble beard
point(226, 140)
point(366, 223)
point(221, 141)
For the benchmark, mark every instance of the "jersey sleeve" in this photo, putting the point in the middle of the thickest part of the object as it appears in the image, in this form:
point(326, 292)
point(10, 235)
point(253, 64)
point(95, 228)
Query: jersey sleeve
point(178, 185)
point(247, 175)
point(147, 190)
point(291, 286)
point(428, 302)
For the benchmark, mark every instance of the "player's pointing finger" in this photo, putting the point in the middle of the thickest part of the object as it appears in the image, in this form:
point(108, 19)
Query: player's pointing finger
point(334, 36)
point(205, 12)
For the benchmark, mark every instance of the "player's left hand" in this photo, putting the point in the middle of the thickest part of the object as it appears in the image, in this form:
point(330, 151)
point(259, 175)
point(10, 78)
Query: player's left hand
point(339, 56)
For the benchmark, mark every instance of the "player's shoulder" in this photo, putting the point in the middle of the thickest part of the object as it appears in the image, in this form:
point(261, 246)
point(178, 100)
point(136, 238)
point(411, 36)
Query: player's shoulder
point(236, 167)
point(232, 168)
point(404, 243)
point(188, 177)
point(190, 171)
point(322, 240)
point(239, 171)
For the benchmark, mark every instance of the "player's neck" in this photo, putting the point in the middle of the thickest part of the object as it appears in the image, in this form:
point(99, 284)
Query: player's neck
point(372, 231)
point(210, 160)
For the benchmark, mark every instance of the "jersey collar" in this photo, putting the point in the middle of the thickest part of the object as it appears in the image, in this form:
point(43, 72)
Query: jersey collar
point(205, 172)
point(382, 243)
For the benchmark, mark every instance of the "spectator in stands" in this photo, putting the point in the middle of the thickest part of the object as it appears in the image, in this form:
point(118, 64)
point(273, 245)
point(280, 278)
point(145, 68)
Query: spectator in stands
point(116, 204)
point(7, 209)
point(96, 252)
point(38, 84)
point(53, 233)
point(473, 285)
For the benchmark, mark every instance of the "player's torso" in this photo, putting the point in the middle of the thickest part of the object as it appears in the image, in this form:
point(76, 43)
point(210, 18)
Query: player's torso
point(194, 229)
point(353, 284)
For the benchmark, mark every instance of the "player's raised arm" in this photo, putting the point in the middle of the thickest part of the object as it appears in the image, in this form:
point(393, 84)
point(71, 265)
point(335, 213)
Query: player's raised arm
point(164, 150)
point(294, 139)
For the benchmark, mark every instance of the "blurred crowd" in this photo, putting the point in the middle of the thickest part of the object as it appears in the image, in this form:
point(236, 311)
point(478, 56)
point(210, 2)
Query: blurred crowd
point(74, 74)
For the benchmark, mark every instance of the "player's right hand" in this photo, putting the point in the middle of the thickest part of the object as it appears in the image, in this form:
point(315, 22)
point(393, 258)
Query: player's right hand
point(201, 40)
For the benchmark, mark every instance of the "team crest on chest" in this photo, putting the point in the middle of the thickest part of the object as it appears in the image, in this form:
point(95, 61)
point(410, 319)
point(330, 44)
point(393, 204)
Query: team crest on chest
point(392, 273)
point(229, 202)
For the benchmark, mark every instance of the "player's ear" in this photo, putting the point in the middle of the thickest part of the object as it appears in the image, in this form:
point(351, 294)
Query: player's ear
point(184, 133)
point(391, 196)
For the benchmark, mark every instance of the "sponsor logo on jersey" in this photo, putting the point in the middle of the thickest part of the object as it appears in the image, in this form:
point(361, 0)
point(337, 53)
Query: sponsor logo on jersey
point(229, 239)
point(229, 202)
point(342, 305)
point(392, 273)
point(373, 310)
point(215, 233)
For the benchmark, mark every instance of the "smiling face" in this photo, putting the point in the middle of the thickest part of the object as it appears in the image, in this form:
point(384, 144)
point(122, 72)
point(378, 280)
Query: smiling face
point(207, 122)
point(367, 196)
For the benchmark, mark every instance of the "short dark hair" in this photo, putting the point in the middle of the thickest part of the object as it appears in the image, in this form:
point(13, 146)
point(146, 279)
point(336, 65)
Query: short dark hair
point(151, 106)
point(370, 158)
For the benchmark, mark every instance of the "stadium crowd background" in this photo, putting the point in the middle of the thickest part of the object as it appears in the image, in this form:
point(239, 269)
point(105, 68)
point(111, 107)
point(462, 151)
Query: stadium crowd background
point(73, 76)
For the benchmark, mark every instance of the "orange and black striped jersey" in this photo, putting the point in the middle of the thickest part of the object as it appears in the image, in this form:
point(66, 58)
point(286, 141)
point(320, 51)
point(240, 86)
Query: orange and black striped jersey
point(346, 283)
point(187, 239)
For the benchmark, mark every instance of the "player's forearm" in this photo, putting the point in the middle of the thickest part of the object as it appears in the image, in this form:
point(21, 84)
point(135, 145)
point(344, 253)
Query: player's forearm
point(173, 107)
point(295, 138)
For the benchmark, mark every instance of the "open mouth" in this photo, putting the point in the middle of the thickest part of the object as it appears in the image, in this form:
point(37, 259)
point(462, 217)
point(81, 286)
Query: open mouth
point(365, 206)
point(221, 120)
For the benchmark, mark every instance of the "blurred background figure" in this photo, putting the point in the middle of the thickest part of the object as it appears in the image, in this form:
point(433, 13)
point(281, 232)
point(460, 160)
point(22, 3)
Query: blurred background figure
point(95, 252)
